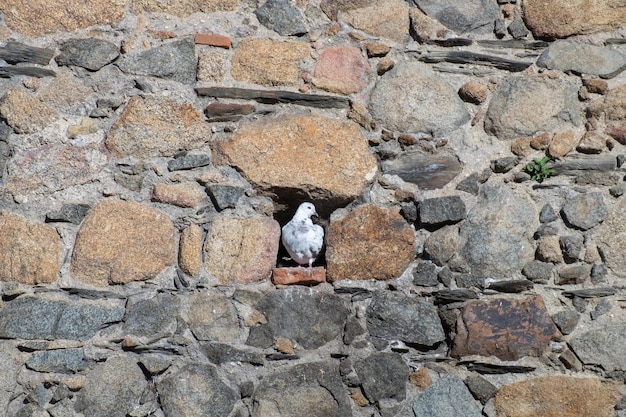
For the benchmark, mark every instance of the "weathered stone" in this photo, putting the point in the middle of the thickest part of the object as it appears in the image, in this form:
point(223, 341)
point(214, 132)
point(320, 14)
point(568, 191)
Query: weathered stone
point(175, 61)
point(571, 245)
point(428, 171)
point(213, 317)
point(311, 389)
point(337, 145)
point(59, 360)
point(448, 396)
point(309, 317)
point(538, 271)
point(442, 244)
point(499, 246)
point(505, 328)
point(441, 210)
point(50, 168)
point(610, 237)
point(593, 143)
point(387, 18)
point(120, 242)
point(268, 62)
point(382, 375)
point(601, 346)
point(227, 112)
point(37, 318)
point(184, 8)
point(301, 276)
point(241, 250)
point(281, 17)
point(516, 28)
point(153, 318)
point(425, 28)
point(188, 161)
point(190, 250)
point(42, 17)
point(425, 275)
point(474, 92)
point(566, 320)
point(369, 242)
point(480, 388)
point(225, 196)
point(341, 69)
point(558, 395)
point(25, 113)
point(521, 146)
point(563, 143)
point(29, 252)
point(157, 127)
point(211, 66)
point(68, 94)
point(184, 194)
point(511, 285)
point(565, 55)
point(90, 53)
point(572, 274)
point(411, 98)
point(394, 316)
point(522, 106)
point(548, 19)
point(219, 353)
point(585, 211)
point(549, 250)
point(10, 366)
point(196, 390)
point(470, 16)
point(87, 126)
point(503, 165)
point(376, 49)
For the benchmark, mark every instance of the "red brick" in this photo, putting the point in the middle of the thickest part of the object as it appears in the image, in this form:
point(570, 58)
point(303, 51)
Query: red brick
point(213, 40)
point(301, 276)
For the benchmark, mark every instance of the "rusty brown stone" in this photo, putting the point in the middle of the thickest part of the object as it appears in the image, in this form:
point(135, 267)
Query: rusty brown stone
point(29, 252)
point(521, 146)
point(185, 194)
point(119, 242)
point(563, 143)
point(541, 141)
point(421, 378)
point(212, 40)
point(190, 250)
point(300, 276)
point(474, 92)
point(25, 113)
point(558, 396)
point(341, 69)
point(369, 242)
point(504, 327)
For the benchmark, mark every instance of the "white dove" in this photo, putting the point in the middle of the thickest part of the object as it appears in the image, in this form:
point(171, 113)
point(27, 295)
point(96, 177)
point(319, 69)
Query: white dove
point(303, 239)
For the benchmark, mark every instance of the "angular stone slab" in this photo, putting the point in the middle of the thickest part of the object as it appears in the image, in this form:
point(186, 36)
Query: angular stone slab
point(603, 346)
point(428, 171)
point(559, 395)
point(276, 96)
point(213, 317)
point(153, 318)
point(307, 390)
point(461, 17)
point(58, 360)
point(472, 58)
point(90, 53)
point(610, 237)
point(447, 397)
point(15, 52)
point(29, 252)
point(565, 56)
point(585, 211)
point(384, 18)
point(369, 242)
point(383, 375)
point(505, 328)
point(121, 241)
point(281, 17)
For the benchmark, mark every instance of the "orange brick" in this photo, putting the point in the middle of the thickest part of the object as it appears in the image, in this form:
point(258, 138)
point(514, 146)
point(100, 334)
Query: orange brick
point(213, 40)
point(301, 276)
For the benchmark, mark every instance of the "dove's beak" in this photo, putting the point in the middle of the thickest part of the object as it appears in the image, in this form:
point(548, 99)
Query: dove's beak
point(315, 218)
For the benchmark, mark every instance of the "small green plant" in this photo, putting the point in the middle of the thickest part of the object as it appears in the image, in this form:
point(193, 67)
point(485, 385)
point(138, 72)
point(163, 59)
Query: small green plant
point(538, 170)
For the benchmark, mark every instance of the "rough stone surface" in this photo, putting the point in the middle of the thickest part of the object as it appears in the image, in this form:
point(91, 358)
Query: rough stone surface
point(563, 143)
point(559, 395)
point(549, 19)
point(388, 19)
point(442, 244)
point(90, 53)
point(119, 242)
point(281, 17)
point(441, 210)
point(523, 106)
point(499, 246)
point(411, 98)
point(185, 194)
point(307, 316)
point(474, 15)
point(153, 318)
point(184, 8)
point(190, 250)
point(42, 17)
point(342, 70)
point(601, 346)
point(314, 389)
point(58, 360)
point(301, 276)
point(585, 211)
point(268, 62)
point(398, 317)
point(29, 252)
point(174, 60)
point(446, 397)
point(505, 328)
point(26, 113)
point(565, 56)
point(611, 239)
point(196, 389)
point(241, 250)
point(157, 127)
point(211, 66)
point(293, 148)
point(382, 375)
point(428, 171)
point(382, 234)
point(213, 318)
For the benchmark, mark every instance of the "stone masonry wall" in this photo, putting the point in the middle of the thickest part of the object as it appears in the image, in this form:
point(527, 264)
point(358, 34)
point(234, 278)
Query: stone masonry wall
point(465, 159)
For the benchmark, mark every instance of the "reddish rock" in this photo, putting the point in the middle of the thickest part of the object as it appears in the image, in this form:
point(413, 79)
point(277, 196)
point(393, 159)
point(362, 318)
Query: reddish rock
point(119, 242)
point(541, 142)
point(66, 93)
point(341, 69)
point(560, 19)
point(505, 328)
point(521, 146)
point(474, 92)
point(190, 250)
point(558, 396)
point(384, 64)
point(563, 143)
point(596, 85)
point(241, 250)
point(29, 252)
point(617, 132)
point(615, 104)
point(592, 143)
point(301, 276)
point(376, 49)
point(369, 242)
point(212, 40)
point(268, 62)
point(186, 194)
point(152, 126)
point(25, 113)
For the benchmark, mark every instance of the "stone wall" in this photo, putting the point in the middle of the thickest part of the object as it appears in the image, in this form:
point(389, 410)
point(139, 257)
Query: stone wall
point(150, 152)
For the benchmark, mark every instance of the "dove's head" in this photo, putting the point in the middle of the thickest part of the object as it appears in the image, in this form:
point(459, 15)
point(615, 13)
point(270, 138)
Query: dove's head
point(306, 210)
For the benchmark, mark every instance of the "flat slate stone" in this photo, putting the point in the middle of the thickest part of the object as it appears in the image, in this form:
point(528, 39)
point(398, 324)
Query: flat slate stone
point(448, 396)
point(585, 211)
point(188, 161)
point(59, 360)
point(219, 353)
point(566, 55)
point(472, 58)
point(276, 96)
point(89, 53)
point(15, 52)
point(428, 171)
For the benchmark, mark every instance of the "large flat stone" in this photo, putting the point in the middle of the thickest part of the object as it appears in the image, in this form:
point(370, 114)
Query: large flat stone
point(388, 19)
point(428, 171)
point(30, 252)
point(121, 241)
point(461, 17)
point(610, 237)
point(565, 56)
point(26, 113)
point(447, 397)
point(602, 346)
point(212, 318)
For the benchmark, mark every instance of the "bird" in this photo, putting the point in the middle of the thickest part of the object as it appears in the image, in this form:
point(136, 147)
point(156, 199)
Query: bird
point(301, 237)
